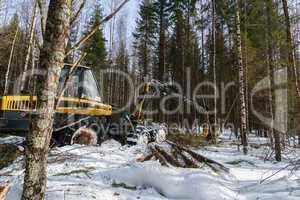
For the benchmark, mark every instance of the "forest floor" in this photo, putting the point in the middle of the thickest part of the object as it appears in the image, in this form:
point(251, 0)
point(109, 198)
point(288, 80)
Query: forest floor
point(112, 172)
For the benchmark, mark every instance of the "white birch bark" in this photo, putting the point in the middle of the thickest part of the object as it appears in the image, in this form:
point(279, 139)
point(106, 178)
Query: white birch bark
point(6, 86)
point(243, 118)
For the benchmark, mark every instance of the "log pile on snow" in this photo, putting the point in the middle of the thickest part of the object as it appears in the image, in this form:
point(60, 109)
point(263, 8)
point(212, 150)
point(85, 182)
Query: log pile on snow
point(171, 154)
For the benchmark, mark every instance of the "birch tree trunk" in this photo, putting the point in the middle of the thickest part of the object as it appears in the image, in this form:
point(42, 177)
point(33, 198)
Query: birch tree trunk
point(42, 5)
point(30, 47)
point(241, 80)
point(6, 86)
point(38, 139)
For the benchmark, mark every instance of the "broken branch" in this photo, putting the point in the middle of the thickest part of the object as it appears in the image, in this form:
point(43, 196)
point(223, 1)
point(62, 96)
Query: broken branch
point(201, 158)
point(10, 61)
point(160, 158)
point(168, 157)
point(147, 158)
point(41, 4)
point(71, 73)
point(4, 191)
point(74, 18)
point(97, 28)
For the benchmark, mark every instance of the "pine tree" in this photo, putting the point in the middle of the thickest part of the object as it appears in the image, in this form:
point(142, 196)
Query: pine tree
point(271, 49)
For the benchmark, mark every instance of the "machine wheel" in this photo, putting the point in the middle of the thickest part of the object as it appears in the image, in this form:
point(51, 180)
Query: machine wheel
point(90, 132)
point(85, 136)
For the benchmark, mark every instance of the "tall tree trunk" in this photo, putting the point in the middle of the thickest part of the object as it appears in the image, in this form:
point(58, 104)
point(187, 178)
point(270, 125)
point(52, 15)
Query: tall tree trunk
point(241, 80)
point(292, 68)
point(38, 139)
point(42, 5)
point(214, 132)
point(162, 43)
point(271, 63)
point(34, 57)
point(162, 50)
point(246, 69)
point(6, 86)
point(290, 43)
point(30, 47)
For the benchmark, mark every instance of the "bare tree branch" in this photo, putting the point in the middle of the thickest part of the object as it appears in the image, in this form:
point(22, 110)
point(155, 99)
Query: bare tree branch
point(97, 28)
point(72, 71)
point(10, 61)
point(77, 14)
point(42, 8)
point(4, 191)
point(30, 43)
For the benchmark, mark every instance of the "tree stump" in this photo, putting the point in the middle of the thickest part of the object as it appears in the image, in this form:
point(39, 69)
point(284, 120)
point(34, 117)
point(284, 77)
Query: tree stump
point(4, 191)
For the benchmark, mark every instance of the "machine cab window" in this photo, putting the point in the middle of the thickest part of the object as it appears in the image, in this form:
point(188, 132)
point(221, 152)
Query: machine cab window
point(90, 89)
point(81, 85)
point(72, 88)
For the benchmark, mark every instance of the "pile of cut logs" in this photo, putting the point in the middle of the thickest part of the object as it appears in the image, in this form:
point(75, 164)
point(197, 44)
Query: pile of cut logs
point(171, 154)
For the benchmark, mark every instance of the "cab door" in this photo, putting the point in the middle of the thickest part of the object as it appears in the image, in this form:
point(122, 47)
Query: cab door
point(90, 89)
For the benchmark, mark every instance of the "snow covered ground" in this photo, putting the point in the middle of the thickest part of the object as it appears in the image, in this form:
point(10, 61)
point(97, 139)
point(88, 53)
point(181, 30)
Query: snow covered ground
point(112, 172)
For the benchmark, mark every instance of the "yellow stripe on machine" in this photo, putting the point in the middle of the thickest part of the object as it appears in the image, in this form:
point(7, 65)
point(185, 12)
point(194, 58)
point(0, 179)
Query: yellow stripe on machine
point(85, 111)
point(27, 103)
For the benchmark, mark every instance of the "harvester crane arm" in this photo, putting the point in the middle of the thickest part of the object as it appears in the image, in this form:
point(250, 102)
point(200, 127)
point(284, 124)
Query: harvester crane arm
point(156, 88)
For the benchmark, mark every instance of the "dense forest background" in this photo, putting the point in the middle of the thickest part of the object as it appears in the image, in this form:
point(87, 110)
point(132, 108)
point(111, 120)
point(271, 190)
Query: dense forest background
point(169, 40)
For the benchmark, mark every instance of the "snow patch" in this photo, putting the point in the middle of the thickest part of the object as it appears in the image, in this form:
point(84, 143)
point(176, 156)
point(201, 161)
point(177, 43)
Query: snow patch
point(85, 172)
point(175, 183)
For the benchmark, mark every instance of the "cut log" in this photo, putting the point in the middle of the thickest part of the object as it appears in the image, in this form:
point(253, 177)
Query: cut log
point(200, 158)
point(4, 191)
point(159, 157)
point(145, 158)
point(168, 157)
point(171, 154)
point(188, 162)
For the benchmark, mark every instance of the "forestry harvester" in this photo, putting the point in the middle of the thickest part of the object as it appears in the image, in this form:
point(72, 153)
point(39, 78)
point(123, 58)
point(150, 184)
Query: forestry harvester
point(80, 116)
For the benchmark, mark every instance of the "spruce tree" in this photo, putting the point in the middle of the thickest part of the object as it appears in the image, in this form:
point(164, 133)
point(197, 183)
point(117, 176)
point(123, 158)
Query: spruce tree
point(161, 26)
point(95, 47)
point(144, 36)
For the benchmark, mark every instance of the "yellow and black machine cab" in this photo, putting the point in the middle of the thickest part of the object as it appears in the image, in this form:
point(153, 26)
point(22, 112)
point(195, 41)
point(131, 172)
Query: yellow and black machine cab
point(79, 115)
